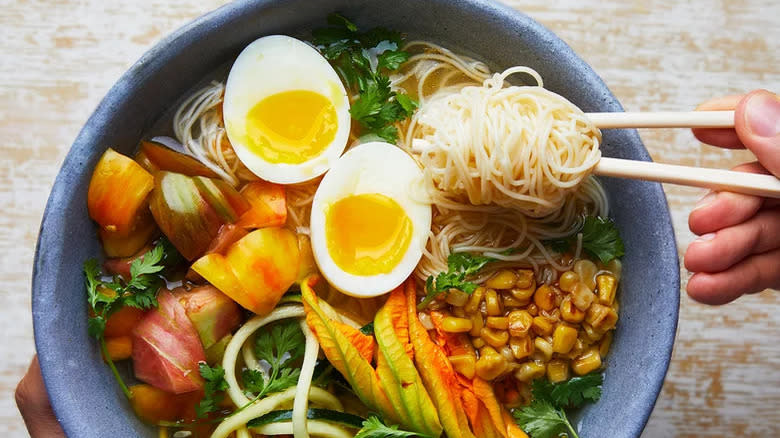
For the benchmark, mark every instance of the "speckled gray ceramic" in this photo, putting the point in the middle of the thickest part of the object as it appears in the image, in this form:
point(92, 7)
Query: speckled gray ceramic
point(86, 399)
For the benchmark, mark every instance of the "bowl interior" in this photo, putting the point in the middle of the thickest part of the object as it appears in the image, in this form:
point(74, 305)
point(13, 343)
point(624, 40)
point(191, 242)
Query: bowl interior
point(84, 395)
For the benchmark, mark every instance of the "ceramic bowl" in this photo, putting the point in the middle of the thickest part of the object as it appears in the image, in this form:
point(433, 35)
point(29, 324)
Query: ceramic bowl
point(85, 397)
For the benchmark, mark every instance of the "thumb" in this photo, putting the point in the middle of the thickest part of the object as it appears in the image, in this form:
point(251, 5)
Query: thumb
point(757, 122)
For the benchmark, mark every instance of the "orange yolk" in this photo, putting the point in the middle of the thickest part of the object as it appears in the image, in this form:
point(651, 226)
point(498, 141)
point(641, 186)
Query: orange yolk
point(291, 127)
point(367, 234)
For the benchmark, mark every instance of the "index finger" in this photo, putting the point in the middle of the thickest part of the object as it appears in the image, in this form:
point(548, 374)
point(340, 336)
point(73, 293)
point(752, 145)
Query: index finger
point(721, 137)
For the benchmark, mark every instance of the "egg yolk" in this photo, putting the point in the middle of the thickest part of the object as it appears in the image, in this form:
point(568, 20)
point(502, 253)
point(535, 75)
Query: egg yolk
point(291, 127)
point(367, 234)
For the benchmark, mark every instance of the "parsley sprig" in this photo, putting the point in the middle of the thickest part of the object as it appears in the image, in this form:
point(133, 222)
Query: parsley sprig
point(280, 347)
point(350, 52)
point(374, 428)
point(214, 390)
point(460, 266)
point(106, 297)
point(546, 417)
point(600, 238)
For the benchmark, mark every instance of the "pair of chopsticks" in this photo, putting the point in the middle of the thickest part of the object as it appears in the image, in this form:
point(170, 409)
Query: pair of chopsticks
point(715, 179)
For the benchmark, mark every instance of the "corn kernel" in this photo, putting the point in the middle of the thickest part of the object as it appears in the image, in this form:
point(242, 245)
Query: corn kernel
point(503, 279)
point(477, 342)
point(544, 348)
point(601, 318)
point(525, 279)
point(542, 326)
point(570, 312)
point(568, 280)
point(512, 302)
point(490, 364)
point(586, 270)
point(494, 338)
point(472, 305)
point(582, 296)
point(466, 364)
point(564, 338)
point(557, 371)
point(576, 350)
point(457, 298)
point(492, 303)
point(607, 285)
point(498, 322)
point(591, 334)
point(521, 347)
point(519, 322)
point(454, 324)
point(506, 351)
point(529, 371)
point(522, 296)
point(476, 323)
point(544, 297)
point(532, 309)
point(587, 362)
point(606, 342)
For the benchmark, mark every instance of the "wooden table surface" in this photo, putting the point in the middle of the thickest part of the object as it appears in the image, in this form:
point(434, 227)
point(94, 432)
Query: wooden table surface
point(60, 57)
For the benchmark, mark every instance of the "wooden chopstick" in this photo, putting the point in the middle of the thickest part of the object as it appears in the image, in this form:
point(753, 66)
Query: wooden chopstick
point(690, 119)
point(715, 179)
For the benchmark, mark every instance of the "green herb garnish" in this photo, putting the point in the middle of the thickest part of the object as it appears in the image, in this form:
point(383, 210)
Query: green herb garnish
point(460, 266)
point(280, 348)
point(213, 390)
point(600, 239)
point(374, 428)
point(545, 417)
point(106, 297)
point(378, 107)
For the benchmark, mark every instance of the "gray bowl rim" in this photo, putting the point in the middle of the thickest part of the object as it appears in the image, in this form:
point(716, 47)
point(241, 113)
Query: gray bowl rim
point(148, 64)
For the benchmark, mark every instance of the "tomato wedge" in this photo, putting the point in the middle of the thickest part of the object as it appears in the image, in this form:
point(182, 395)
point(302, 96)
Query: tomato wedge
point(117, 192)
point(268, 203)
point(155, 157)
point(190, 211)
point(256, 270)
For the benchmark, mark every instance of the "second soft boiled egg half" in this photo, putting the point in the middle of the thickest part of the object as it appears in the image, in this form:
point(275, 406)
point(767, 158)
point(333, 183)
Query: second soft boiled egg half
point(368, 224)
point(286, 111)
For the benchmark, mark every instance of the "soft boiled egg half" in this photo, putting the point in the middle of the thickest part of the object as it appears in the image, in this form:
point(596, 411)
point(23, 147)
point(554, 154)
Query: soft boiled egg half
point(286, 111)
point(368, 224)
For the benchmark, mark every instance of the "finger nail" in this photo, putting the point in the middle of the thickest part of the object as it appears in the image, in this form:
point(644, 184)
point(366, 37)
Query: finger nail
point(763, 114)
point(705, 201)
point(706, 237)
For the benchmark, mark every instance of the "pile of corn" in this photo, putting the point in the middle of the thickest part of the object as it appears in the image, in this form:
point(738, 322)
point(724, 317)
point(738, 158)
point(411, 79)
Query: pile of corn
point(527, 330)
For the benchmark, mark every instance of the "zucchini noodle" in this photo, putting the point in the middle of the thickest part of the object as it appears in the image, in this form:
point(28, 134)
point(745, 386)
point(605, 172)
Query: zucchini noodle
point(301, 402)
point(234, 347)
point(318, 428)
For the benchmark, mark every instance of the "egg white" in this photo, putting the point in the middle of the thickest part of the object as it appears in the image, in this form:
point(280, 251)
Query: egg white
point(275, 64)
point(375, 167)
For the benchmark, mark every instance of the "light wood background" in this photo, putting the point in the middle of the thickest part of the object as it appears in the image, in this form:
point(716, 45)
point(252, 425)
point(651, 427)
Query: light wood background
point(58, 58)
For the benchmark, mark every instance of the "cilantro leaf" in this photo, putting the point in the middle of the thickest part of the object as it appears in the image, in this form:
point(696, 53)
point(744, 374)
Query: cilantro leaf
point(280, 347)
point(374, 428)
point(460, 266)
point(392, 59)
point(600, 239)
point(577, 390)
point(253, 381)
point(213, 390)
point(545, 416)
point(541, 419)
point(349, 51)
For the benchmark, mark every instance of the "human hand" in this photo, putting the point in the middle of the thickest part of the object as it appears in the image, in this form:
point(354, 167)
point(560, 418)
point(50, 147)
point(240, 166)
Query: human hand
point(738, 251)
point(33, 403)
